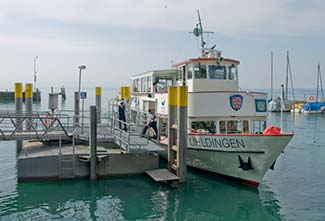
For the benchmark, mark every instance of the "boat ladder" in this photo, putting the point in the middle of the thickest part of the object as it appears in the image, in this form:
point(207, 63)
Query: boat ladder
point(67, 162)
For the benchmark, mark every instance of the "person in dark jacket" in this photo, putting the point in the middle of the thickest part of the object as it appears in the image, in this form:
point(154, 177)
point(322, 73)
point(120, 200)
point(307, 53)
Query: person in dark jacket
point(121, 116)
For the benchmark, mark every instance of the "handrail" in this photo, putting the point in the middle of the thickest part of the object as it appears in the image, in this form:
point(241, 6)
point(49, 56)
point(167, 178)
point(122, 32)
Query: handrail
point(125, 136)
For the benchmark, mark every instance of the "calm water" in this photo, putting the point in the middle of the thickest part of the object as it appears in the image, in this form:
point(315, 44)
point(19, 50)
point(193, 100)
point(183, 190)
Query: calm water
point(294, 191)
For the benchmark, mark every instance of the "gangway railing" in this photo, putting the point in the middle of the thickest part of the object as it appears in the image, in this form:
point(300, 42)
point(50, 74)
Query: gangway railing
point(129, 138)
point(135, 122)
point(38, 125)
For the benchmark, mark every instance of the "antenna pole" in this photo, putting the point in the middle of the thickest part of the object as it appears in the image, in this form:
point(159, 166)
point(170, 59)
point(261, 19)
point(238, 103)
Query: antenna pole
point(202, 41)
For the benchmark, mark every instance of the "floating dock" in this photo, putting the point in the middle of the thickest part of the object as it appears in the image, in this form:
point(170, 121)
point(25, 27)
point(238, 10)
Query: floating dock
point(56, 146)
point(42, 162)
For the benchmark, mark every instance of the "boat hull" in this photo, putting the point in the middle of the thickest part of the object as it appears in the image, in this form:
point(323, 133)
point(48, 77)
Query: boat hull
point(221, 154)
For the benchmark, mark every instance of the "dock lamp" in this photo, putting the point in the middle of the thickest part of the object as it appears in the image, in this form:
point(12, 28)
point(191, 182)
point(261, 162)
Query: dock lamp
point(81, 67)
point(77, 98)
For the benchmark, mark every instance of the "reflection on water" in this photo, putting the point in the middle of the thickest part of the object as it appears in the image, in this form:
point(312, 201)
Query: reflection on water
point(201, 198)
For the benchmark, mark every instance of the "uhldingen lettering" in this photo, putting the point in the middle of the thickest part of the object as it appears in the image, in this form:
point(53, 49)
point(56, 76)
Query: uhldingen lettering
point(215, 142)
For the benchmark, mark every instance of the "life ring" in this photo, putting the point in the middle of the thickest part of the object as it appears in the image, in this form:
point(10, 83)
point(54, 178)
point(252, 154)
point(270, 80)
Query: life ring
point(311, 98)
point(47, 120)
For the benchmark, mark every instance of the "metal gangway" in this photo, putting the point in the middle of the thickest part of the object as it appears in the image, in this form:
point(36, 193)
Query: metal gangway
point(38, 125)
point(128, 134)
point(43, 125)
point(46, 126)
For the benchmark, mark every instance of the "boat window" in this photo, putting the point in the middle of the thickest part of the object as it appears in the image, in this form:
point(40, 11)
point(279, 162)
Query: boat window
point(135, 85)
point(162, 84)
point(149, 83)
point(258, 126)
point(190, 72)
point(144, 85)
point(217, 72)
point(233, 127)
point(245, 127)
point(222, 127)
point(180, 78)
point(200, 71)
point(203, 127)
point(232, 72)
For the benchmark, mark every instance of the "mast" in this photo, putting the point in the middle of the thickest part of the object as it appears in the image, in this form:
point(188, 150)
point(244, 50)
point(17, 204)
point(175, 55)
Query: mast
point(201, 30)
point(287, 78)
point(271, 75)
point(198, 32)
point(319, 83)
point(291, 80)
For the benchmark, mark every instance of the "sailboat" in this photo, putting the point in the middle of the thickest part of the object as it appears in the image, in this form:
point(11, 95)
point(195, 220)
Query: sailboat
point(281, 103)
point(317, 106)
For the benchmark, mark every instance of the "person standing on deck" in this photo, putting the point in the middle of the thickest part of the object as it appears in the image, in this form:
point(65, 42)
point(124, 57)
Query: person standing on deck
point(151, 122)
point(121, 115)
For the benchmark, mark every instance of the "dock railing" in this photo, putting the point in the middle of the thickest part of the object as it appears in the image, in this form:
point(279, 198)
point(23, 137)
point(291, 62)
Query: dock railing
point(42, 125)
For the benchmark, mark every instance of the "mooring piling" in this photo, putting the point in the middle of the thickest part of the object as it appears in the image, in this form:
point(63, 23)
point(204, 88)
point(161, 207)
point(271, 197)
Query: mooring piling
point(177, 131)
point(93, 142)
point(99, 103)
point(29, 105)
point(19, 109)
point(76, 108)
point(182, 100)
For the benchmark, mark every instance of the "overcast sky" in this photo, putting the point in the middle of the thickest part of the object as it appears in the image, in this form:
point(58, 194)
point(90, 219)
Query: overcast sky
point(116, 39)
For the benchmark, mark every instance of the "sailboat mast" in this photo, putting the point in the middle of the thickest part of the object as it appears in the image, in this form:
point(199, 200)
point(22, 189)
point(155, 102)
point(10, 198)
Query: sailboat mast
point(201, 28)
point(287, 78)
point(321, 82)
point(271, 75)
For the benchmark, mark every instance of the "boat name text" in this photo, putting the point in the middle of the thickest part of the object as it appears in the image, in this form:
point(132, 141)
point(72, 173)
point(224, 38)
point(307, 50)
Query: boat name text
point(215, 142)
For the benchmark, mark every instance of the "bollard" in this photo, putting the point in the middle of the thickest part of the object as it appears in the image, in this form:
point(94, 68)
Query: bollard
point(182, 100)
point(93, 143)
point(76, 109)
point(177, 131)
point(99, 103)
point(125, 93)
point(19, 108)
point(29, 105)
point(172, 111)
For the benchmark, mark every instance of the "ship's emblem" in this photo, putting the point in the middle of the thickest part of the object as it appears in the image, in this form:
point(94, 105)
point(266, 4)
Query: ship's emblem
point(163, 103)
point(236, 101)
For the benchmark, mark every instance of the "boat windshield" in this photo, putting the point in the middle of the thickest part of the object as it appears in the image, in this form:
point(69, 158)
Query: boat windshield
point(200, 71)
point(212, 71)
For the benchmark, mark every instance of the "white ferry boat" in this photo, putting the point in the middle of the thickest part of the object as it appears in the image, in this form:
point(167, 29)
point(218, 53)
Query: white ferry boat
point(227, 131)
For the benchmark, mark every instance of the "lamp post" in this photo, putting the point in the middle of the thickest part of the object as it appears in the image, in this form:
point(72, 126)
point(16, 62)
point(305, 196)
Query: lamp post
point(35, 71)
point(77, 97)
point(81, 67)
